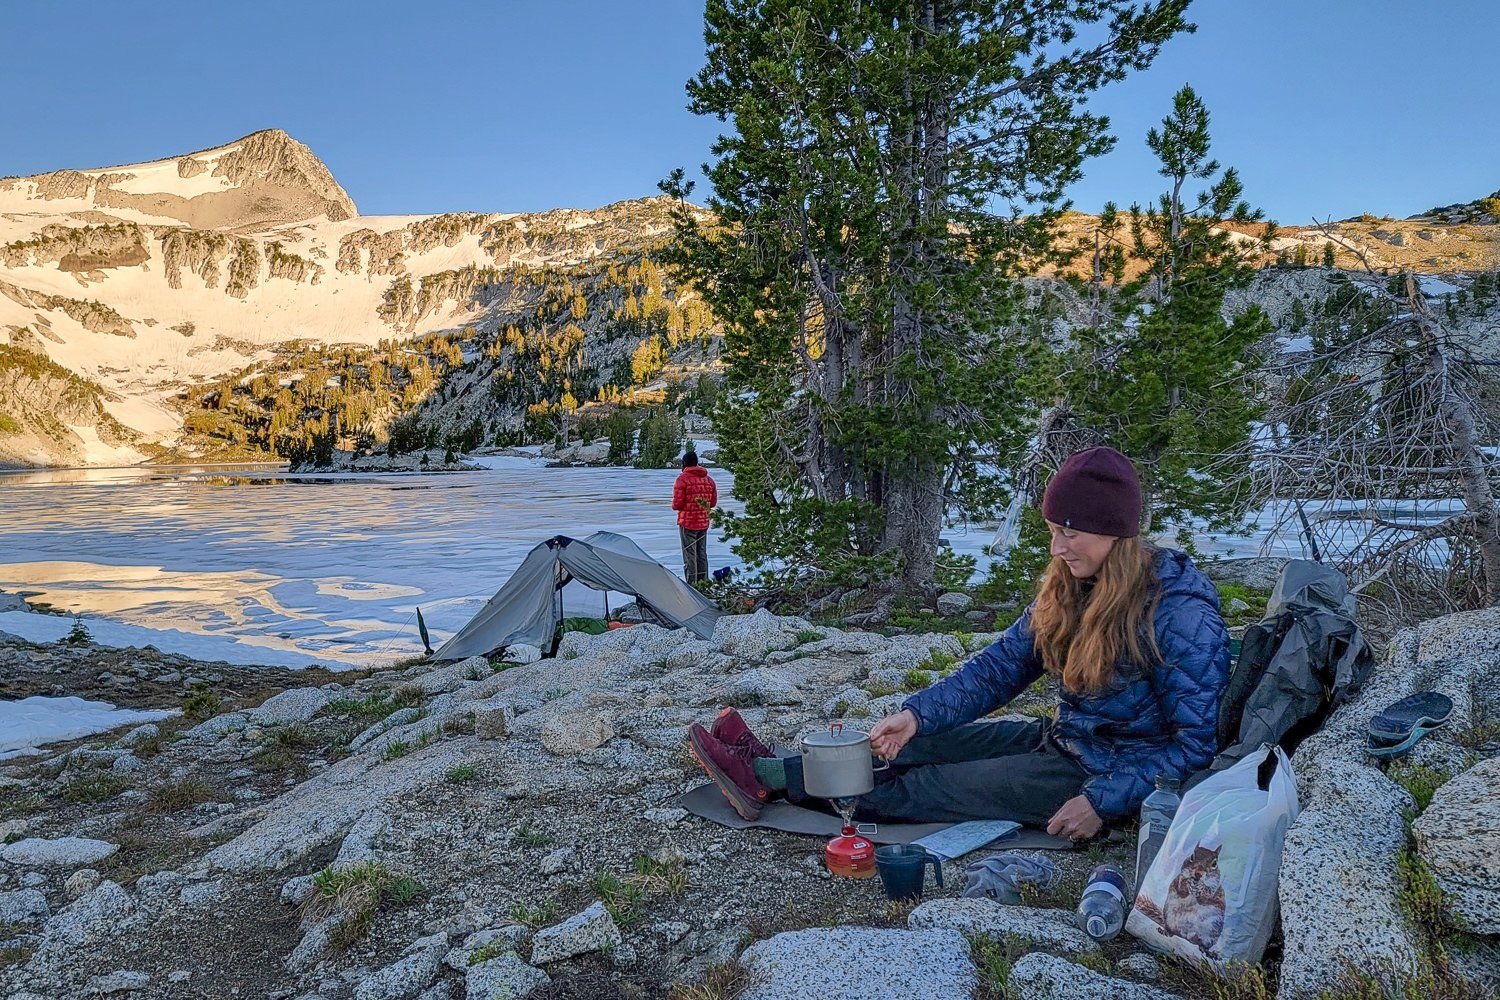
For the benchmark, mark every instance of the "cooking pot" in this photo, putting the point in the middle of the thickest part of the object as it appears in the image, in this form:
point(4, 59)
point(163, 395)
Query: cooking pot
point(837, 764)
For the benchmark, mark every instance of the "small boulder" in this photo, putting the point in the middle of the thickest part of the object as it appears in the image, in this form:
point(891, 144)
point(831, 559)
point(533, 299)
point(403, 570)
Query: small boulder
point(884, 964)
point(1039, 976)
point(1044, 929)
point(953, 604)
point(557, 861)
point(290, 707)
point(296, 890)
point(762, 686)
point(217, 727)
point(667, 817)
point(592, 930)
point(408, 976)
point(502, 977)
point(80, 882)
point(1141, 966)
point(1458, 836)
point(572, 734)
point(149, 731)
point(23, 906)
point(119, 982)
point(59, 852)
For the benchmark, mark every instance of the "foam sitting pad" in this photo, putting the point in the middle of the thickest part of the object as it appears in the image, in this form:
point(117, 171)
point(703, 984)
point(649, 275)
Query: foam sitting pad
point(708, 802)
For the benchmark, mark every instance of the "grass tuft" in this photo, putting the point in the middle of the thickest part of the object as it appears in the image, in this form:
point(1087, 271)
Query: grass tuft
point(660, 877)
point(621, 898)
point(354, 894)
point(1237, 981)
point(807, 635)
point(994, 958)
point(94, 787)
point(398, 749)
point(181, 794)
point(528, 836)
point(726, 981)
point(462, 773)
point(494, 949)
point(534, 917)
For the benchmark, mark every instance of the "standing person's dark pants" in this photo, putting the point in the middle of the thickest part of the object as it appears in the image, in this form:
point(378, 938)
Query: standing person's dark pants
point(984, 770)
point(694, 553)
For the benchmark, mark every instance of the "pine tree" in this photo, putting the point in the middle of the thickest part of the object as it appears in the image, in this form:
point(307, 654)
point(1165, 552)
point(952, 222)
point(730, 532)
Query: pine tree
point(1160, 376)
point(1328, 254)
point(895, 167)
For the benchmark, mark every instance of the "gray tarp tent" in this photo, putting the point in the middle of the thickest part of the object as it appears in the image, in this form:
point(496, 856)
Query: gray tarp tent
point(528, 608)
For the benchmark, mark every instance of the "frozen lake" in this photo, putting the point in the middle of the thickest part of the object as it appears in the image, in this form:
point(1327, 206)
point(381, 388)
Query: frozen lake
point(332, 567)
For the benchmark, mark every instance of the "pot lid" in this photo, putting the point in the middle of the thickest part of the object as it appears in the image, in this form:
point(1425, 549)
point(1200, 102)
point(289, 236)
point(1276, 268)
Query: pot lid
point(835, 736)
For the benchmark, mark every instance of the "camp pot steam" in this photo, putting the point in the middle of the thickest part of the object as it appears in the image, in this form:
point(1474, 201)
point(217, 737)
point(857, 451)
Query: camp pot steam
point(837, 764)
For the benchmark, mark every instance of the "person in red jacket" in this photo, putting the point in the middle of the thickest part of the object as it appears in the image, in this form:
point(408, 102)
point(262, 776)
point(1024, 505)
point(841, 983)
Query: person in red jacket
point(693, 496)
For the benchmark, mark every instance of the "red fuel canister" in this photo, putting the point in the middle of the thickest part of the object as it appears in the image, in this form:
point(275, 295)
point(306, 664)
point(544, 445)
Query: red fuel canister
point(850, 854)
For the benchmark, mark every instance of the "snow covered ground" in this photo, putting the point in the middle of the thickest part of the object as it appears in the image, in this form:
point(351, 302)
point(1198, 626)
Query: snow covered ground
point(247, 650)
point(39, 720)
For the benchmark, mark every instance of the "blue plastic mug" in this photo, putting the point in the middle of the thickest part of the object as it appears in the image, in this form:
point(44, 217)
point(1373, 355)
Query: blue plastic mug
point(903, 867)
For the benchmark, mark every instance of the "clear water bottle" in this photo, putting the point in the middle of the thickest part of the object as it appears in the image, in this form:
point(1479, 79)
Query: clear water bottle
point(1156, 817)
point(1101, 911)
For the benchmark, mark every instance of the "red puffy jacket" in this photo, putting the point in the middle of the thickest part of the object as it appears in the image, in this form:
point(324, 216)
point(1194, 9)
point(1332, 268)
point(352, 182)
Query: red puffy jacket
point(693, 496)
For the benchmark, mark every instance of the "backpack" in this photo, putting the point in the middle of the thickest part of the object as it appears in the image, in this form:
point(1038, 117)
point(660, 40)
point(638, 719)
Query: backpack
point(1305, 658)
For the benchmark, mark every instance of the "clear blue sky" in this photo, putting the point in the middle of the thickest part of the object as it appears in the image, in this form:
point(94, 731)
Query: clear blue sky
point(1328, 107)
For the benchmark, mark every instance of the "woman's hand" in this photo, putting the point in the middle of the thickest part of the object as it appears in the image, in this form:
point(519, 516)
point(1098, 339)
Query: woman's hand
point(1076, 820)
point(892, 733)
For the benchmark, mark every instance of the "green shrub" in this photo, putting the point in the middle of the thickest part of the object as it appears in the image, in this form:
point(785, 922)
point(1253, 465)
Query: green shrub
point(201, 703)
point(1420, 780)
point(915, 680)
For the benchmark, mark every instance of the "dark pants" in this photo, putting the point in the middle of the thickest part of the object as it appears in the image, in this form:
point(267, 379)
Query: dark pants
point(694, 553)
point(985, 770)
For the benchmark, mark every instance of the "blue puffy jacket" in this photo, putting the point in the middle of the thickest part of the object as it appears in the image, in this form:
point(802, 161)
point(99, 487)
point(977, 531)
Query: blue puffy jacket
point(1154, 719)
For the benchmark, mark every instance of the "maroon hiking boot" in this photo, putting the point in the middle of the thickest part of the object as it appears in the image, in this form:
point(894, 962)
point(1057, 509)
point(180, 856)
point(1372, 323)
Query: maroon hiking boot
point(732, 771)
point(730, 729)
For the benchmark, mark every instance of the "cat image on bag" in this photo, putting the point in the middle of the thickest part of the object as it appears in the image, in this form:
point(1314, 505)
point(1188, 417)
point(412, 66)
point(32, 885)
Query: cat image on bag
point(1194, 909)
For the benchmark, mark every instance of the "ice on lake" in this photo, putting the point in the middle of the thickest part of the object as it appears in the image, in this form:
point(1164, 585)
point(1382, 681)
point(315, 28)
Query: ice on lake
point(248, 564)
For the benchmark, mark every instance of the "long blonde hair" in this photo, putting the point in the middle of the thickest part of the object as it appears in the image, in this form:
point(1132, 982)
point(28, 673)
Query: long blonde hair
point(1082, 632)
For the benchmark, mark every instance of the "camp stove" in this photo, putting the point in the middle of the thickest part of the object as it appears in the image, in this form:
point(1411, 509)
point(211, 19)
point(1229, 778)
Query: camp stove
point(850, 854)
point(837, 766)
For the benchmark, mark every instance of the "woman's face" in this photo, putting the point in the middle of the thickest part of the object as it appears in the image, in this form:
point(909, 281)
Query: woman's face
point(1082, 551)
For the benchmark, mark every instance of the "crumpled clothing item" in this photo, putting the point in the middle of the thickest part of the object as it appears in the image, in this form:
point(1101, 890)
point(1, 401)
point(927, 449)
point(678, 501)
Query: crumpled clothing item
point(1000, 877)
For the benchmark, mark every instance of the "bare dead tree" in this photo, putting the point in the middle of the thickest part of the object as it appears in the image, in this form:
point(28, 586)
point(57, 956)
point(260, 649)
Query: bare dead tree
point(1377, 439)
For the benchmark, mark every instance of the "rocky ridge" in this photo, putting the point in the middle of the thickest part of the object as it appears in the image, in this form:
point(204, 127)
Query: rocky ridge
point(477, 827)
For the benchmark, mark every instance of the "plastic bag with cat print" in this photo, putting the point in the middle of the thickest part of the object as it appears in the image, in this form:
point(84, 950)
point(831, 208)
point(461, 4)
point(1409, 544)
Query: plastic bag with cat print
point(1210, 895)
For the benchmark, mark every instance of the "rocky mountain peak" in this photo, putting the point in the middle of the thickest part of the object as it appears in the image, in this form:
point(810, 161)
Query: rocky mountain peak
point(265, 179)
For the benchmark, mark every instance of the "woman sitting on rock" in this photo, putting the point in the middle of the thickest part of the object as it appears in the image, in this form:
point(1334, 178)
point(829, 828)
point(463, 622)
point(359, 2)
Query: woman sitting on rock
point(1132, 632)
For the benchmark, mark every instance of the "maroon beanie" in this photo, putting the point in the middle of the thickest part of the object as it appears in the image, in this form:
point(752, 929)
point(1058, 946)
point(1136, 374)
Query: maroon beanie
point(1095, 490)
